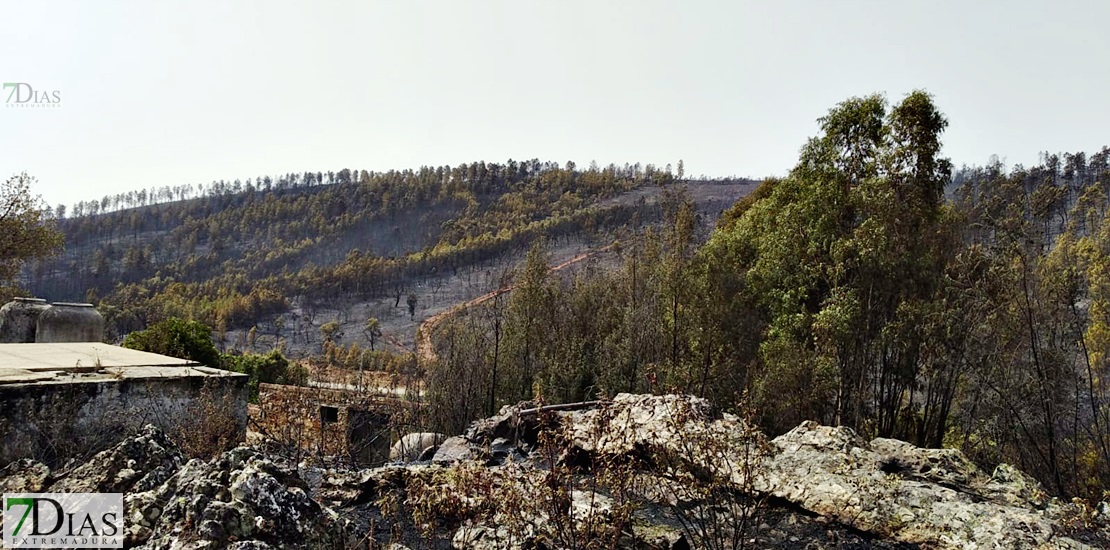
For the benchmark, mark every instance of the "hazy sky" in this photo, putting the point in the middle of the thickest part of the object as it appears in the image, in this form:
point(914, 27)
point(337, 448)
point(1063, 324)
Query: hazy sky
point(171, 93)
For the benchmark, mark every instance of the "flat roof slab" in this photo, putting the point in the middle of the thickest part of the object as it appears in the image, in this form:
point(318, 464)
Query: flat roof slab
point(75, 356)
point(78, 362)
point(21, 376)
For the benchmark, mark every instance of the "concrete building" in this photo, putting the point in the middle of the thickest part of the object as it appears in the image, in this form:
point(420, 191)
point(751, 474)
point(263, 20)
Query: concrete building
point(67, 400)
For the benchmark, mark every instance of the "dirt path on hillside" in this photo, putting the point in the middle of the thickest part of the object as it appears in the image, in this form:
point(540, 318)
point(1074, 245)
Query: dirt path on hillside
point(425, 349)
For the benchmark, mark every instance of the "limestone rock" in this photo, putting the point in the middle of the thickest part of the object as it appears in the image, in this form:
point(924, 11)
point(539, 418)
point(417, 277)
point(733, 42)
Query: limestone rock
point(452, 450)
point(411, 446)
point(24, 476)
point(242, 497)
point(506, 424)
point(674, 461)
point(889, 488)
point(135, 464)
point(892, 489)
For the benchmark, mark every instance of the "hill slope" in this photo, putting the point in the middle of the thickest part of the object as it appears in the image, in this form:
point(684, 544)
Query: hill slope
point(274, 257)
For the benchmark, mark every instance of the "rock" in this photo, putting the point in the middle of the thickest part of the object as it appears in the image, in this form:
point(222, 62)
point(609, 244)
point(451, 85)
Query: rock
point(427, 454)
point(502, 450)
point(135, 464)
point(589, 506)
point(458, 449)
point(888, 488)
point(249, 545)
point(24, 476)
point(947, 467)
point(453, 450)
point(241, 499)
point(287, 512)
point(892, 489)
point(663, 535)
point(349, 488)
point(411, 446)
point(505, 424)
point(481, 537)
point(650, 426)
point(651, 471)
point(497, 534)
point(1011, 486)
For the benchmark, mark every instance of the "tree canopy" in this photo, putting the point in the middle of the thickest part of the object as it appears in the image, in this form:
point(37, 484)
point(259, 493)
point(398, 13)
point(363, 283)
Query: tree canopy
point(27, 229)
point(841, 256)
point(176, 337)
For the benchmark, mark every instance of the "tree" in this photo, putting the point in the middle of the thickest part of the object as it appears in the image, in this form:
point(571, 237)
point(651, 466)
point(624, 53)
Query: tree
point(279, 325)
point(841, 256)
point(268, 368)
point(411, 301)
point(177, 337)
point(27, 229)
point(526, 326)
point(459, 382)
point(372, 330)
point(330, 333)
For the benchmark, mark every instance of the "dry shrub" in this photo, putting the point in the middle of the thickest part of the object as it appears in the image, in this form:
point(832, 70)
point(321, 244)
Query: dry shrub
point(209, 425)
point(710, 481)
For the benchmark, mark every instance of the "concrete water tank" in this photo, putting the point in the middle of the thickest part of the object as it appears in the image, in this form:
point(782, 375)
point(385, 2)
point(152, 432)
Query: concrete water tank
point(18, 319)
point(68, 322)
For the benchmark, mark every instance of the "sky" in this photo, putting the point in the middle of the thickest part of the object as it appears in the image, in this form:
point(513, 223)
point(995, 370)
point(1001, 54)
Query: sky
point(188, 92)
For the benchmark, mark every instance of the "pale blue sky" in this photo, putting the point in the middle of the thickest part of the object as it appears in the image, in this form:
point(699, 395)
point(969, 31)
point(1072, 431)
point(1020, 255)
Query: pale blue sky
point(171, 93)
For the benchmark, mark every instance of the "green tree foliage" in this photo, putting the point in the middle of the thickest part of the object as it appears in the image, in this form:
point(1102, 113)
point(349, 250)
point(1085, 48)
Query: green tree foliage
point(27, 230)
point(1035, 303)
point(569, 336)
point(330, 331)
point(840, 257)
point(193, 340)
point(459, 385)
point(177, 338)
point(528, 324)
point(373, 330)
point(267, 368)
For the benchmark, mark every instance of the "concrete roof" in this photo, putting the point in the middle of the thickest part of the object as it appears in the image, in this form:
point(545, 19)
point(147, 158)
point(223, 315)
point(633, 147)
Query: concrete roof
point(80, 354)
point(90, 362)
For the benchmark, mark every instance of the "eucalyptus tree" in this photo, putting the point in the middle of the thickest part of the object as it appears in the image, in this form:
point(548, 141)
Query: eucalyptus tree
point(840, 257)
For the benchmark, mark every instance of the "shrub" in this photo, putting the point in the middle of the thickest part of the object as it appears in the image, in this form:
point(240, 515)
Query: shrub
point(268, 368)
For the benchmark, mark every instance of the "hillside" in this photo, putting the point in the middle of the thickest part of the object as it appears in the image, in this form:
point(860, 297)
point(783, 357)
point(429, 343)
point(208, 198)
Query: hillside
point(294, 252)
point(442, 291)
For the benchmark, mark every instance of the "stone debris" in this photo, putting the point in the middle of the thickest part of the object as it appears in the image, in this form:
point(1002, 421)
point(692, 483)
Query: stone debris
point(635, 472)
point(411, 446)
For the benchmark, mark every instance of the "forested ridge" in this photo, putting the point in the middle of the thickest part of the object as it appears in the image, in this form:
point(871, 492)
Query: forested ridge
point(239, 253)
